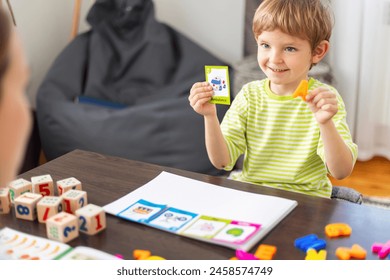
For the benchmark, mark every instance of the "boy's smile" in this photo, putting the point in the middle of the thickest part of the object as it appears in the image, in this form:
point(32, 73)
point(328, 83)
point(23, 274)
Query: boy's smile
point(285, 60)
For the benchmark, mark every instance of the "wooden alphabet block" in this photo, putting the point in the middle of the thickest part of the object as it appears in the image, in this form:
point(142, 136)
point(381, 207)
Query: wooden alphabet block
point(73, 200)
point(5, 203)
point(92, 219)
point(62, 227)
point(68, 184)
point(48, 206)
point(43, 184)
point(26, 206)
point(18, 187)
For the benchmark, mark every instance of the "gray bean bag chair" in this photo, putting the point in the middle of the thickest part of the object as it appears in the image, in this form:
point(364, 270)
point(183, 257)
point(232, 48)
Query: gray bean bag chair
point(122, 89)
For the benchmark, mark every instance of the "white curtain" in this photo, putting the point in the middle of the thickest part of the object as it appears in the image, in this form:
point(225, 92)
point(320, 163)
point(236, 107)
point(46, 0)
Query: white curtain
point(362, 46)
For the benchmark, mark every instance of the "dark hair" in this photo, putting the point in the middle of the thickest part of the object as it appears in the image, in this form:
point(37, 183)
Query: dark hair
point(5, 33)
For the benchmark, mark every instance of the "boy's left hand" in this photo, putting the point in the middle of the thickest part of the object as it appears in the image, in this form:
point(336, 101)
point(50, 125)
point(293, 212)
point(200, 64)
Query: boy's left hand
point(323, 103)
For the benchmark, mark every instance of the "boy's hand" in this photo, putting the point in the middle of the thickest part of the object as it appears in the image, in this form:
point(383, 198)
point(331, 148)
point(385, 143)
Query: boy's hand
point(199, 98)
point(323, 103)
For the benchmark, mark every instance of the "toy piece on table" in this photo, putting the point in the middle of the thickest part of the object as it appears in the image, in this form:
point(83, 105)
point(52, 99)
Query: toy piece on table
point(383, 250)
point(233, 258)
point(355, 252)
point(141, 254)
point(5, 203)
point(48, 206)
point(145, 255)
point(242, 255)
point(265, 252)
point(73, 200)
point(337, 230)
point(67, 184)
point(92, 219)
point(62, 227)
point(302, 90)
point(310, 241)
point(43, 184)
point(18, 187)
point(312, 254)
point(26, 206)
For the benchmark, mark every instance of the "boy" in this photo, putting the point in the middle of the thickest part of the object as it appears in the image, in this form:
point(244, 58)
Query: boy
point(288, 143)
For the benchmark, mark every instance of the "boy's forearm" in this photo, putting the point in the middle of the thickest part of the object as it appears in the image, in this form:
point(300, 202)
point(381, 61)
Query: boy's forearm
point(338, 156)
point(215, 143)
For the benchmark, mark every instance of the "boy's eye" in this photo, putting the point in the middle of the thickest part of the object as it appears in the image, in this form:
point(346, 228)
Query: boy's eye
point(290, 49)
point(264, 45)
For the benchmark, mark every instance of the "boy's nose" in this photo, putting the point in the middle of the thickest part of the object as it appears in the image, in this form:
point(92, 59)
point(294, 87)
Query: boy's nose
point(276, 57)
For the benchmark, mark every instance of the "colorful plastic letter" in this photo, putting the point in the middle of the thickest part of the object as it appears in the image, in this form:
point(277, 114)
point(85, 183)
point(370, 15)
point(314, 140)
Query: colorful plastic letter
point(356, 252)
point(265, 252)
point(302, 90)
point(310, 241)
point(338, 229)
point(141, 254)
point(242, 255)
point(383, 250)
point(312, 254)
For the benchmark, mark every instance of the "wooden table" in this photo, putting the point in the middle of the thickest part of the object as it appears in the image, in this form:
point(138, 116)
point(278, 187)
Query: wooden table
point(107, 178)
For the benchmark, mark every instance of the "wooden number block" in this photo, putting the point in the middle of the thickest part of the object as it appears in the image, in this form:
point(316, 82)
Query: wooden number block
point(73, 200)
point(26, 206)
point(48, 206)
point(43, 184)
point(18, 187)
point(5, 203)
point(92, 219)
point(62, 227)
point(68, 184)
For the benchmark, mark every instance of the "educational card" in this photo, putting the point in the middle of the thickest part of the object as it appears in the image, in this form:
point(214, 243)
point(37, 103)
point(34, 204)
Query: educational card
point(16, 245)
point(218, 77)
point(141, 211)
point(172, 219)
point(205, 227)
point(237, 232)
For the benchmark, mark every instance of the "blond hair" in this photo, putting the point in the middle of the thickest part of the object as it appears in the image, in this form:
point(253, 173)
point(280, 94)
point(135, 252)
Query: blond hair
point(307, 19)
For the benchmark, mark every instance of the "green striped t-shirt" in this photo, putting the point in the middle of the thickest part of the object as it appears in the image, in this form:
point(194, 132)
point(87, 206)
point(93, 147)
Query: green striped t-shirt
point(280, 139)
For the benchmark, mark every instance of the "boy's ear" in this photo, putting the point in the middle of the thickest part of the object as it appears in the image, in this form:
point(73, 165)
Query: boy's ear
point(320, 51)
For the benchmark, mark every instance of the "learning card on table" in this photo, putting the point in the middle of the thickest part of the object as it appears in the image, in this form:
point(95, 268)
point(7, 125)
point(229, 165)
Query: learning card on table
point(203, 211)
point(218, 77)
point(17, 245)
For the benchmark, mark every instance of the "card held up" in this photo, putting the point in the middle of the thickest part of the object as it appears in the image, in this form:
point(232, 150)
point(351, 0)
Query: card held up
point(218, 77)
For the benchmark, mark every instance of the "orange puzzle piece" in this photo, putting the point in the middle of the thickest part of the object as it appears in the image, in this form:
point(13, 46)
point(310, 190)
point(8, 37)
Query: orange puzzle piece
point(265, 252)
point(141, 254)
point(302, 90)
point(356, 252)
point(338, 229)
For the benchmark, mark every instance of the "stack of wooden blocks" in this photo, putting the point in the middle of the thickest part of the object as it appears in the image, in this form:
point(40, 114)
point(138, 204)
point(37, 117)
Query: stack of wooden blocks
point(65, 214)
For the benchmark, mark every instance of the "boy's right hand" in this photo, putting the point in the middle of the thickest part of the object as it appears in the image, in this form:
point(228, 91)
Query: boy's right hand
point(199, 98)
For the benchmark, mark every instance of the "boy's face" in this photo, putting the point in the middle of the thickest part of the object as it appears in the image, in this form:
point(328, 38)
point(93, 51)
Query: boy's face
point(15, 119)
point(284, 59)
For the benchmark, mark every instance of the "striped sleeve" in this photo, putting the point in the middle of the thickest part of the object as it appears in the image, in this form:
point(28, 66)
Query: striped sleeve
point(340, 121)
point(233, 128)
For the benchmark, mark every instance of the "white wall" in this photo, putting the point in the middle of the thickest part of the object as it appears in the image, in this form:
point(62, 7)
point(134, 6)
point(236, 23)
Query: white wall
point(45, 27)
point(345, 53)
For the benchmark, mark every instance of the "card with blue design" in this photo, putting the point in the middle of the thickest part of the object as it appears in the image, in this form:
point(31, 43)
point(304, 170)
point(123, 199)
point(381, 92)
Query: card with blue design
point(141, 211)
point(172, 219)
point(218, 78)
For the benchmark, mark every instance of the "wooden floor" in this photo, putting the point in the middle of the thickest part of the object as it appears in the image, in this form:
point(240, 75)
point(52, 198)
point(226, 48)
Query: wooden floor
point(369, 177)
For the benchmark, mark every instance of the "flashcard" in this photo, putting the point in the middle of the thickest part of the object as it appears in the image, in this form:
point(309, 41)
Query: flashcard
point(172, 219)
point(141, 211)
point(237, 232)
point(218, 77)
point(205, 227)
